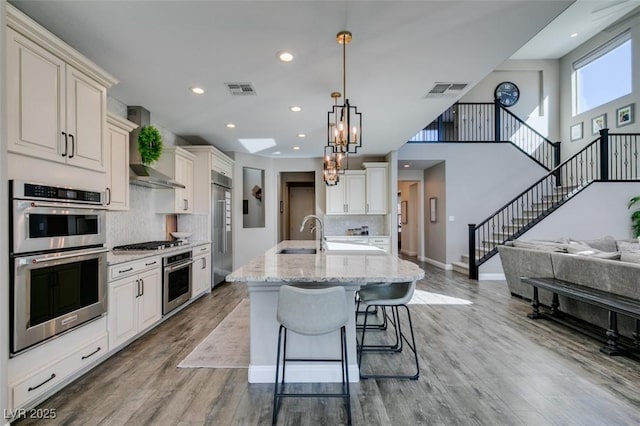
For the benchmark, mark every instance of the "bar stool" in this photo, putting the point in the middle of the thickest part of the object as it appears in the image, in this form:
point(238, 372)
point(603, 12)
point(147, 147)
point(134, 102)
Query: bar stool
point(393, 296)
point(311, 312)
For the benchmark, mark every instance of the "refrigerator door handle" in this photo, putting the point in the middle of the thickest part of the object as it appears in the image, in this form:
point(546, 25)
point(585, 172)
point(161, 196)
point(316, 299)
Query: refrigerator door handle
point(222, 242)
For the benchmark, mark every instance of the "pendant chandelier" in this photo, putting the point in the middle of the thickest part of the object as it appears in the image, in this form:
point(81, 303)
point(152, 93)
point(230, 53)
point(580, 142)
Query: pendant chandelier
point(344, 124)
point(332, 167)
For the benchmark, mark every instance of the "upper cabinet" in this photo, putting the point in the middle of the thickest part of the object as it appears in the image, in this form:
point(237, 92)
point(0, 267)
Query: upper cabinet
point(208, 158)
point(221, 163)
point(56, 98)
point(177, 163)
point(360, 191)
point(377, 187)
point(117, 193)
point(348, 196)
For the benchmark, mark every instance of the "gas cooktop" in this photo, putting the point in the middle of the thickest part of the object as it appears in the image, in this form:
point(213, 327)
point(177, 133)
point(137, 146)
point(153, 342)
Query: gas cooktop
point(149, 245)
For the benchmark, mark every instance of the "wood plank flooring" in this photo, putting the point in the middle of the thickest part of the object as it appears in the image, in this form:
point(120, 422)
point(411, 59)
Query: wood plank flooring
point(481, 364)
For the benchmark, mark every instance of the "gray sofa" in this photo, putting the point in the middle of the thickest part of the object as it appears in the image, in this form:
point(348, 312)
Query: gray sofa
point(606, 264)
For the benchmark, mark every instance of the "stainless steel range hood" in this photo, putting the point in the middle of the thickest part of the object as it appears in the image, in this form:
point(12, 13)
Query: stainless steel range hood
point(143, 174)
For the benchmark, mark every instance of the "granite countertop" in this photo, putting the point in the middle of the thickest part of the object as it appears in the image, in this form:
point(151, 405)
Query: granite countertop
point(332, 266)
point(124, 256)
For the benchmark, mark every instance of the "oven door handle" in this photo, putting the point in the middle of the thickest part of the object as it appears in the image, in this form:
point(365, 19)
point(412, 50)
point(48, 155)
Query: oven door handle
point(68, 206)
point(67, 256)
point(178, 266)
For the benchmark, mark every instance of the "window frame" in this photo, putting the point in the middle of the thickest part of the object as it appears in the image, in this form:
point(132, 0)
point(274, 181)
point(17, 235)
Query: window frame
point(592, 56)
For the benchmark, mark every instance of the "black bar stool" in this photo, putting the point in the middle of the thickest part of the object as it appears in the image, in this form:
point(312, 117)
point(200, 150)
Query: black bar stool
point(393, 296)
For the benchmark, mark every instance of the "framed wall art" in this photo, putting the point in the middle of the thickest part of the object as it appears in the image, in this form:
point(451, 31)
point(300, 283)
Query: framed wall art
point(625, 115)
point(433, 209)
point(403, 212)
point(598, 123)
point(576, 131)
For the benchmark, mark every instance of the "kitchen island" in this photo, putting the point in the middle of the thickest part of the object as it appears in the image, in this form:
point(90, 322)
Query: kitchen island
point(294, 263)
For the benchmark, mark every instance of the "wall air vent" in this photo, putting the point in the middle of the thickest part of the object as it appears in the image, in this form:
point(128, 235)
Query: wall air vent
point(445, 90)
point(240, 89)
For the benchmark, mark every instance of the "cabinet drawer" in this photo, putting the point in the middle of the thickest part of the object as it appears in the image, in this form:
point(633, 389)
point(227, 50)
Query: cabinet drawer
point(131, 268)
point(377, 240)
point(199, 250)
point(47, 378)
point(385, 247)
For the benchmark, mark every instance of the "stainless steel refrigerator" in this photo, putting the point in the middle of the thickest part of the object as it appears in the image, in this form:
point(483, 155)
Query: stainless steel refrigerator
point(221, 227)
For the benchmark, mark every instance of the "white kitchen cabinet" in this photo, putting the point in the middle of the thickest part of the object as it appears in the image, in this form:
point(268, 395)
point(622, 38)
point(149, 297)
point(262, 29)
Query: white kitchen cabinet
point(135, 300)
point(377, 187)
point(383, 243)
point(348, 197)
point(222, 164)
point(176, 163)
point(55, 111)
point(201, 277)
point(44, 369)
point(117, 193)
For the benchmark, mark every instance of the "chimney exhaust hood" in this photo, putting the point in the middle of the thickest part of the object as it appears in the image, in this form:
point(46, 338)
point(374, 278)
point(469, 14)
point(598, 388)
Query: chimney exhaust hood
point(144, 174)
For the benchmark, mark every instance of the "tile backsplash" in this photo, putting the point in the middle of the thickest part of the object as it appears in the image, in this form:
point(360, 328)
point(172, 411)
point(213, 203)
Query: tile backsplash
point(139, 223)
point(338, 225)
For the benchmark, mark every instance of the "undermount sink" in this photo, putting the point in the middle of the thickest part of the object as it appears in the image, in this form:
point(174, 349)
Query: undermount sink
point(297, 251)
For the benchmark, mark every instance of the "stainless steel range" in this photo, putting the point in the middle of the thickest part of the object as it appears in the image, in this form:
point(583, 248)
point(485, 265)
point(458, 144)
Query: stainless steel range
point(177, 267)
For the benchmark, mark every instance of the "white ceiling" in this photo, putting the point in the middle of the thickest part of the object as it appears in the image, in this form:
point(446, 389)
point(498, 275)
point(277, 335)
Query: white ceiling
point(159, 49)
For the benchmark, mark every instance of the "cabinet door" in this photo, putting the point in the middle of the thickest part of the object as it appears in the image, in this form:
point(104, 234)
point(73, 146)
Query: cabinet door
point(86, 118)
point(150, 301)
point(35, 100)
point(356, 193)
point(123, 310)
point(335, 198)
point(184, 175)
point(201, 274)
point(377, 190)
point(117, 169)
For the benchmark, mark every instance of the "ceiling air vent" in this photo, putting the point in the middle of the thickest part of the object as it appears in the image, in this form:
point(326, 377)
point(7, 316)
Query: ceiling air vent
point(444, 89)
point(240, 89)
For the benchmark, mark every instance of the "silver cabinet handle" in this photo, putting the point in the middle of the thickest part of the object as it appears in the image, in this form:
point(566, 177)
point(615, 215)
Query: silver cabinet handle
point(204, 262)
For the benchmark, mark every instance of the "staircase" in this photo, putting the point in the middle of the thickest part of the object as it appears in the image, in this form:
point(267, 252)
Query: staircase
point(610, 158)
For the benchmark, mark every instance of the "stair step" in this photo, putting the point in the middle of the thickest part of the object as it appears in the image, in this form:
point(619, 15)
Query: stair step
point(543, 205)
point(462, 268)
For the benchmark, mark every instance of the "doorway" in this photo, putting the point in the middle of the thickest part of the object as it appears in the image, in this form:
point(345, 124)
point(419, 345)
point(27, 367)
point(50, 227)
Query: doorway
point(302, 201)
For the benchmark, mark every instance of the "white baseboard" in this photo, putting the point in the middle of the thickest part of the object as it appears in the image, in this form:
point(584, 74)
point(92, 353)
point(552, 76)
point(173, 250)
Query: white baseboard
point(303, 373)
point(495, 276)
point(409, 253)
point(445, 266)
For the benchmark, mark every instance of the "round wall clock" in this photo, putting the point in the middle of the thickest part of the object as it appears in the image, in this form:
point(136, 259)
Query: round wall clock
point(507, 93)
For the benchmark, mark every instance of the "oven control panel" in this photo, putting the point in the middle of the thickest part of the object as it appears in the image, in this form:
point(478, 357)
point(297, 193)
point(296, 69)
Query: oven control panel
point(45, 192)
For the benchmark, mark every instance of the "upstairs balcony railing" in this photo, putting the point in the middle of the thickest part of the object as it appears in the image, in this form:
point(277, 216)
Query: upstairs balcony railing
point(611, 157)
point(490, 122)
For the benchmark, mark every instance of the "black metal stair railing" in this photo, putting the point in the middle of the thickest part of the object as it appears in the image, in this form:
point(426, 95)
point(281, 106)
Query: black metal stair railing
point(611, 157)
point(490, 122)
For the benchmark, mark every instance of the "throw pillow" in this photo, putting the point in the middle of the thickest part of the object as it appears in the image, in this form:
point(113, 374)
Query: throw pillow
point(630, 256)
point(539, 245)
point(628, 245)
point(607, 243)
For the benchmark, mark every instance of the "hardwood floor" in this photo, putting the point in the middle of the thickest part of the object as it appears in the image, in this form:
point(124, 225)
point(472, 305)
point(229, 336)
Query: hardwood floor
point(482, 363)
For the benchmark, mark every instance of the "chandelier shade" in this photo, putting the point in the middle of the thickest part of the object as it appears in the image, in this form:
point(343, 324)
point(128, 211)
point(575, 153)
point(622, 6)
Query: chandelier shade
point(332, 166)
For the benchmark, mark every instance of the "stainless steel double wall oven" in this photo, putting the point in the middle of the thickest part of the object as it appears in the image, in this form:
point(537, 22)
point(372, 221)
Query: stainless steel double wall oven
point(57, 261)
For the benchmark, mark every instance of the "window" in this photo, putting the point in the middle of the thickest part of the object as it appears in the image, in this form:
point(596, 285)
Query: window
point(603, 75)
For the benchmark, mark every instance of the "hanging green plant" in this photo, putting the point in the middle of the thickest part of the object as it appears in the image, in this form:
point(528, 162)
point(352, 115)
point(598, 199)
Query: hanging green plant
point(149, 144)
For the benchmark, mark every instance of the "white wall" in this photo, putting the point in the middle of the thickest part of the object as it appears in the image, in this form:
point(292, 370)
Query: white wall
point(435, 235)
point(480, 178)
point(539, 84)
point(566, 116)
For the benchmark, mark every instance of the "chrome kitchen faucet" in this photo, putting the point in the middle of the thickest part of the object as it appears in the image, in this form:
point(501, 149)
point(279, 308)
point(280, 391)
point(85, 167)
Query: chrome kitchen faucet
point(304, 222)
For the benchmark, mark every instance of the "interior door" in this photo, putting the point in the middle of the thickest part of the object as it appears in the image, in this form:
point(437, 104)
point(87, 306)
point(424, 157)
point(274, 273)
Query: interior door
point(301, 203)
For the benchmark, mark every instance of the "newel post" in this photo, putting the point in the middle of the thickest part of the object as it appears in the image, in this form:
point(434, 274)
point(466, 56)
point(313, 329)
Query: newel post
point(604, 155)
point(473, 268)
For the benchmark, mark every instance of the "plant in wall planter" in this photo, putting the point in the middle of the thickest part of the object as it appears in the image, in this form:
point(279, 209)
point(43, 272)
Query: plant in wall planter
point(149, 144)
point(635, 217)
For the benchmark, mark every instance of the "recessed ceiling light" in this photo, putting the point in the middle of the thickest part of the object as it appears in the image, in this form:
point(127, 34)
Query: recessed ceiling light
point(301, 135)
point(296, 148)
point(295, 108)
point(407, 165)
point(231, 125)
point(276, 153)
point(197, 90)
point(574, 35)
point(285, 56)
